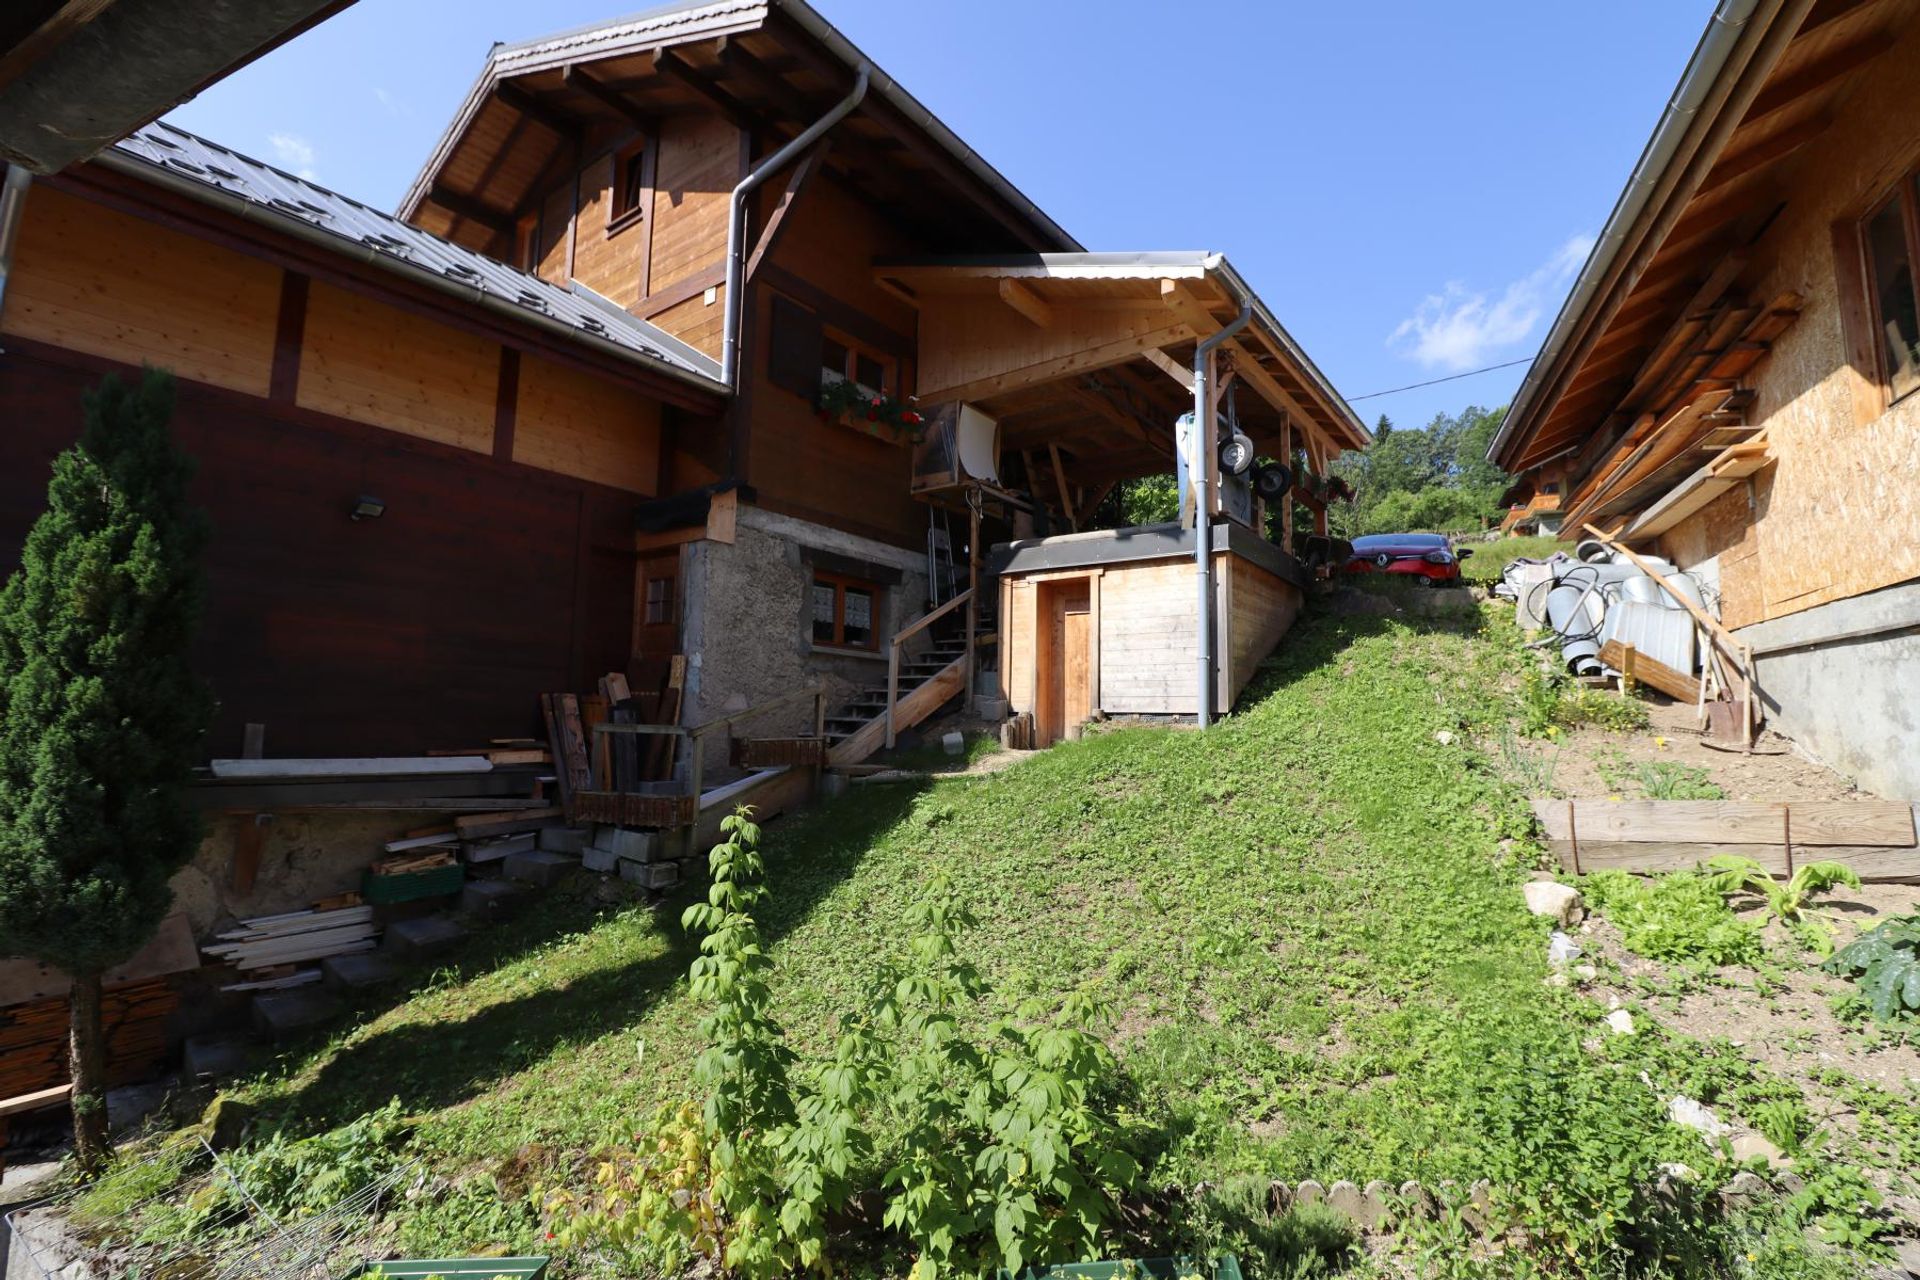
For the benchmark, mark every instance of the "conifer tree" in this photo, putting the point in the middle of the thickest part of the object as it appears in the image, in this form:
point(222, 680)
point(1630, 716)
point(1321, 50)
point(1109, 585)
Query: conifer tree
point(100, 715)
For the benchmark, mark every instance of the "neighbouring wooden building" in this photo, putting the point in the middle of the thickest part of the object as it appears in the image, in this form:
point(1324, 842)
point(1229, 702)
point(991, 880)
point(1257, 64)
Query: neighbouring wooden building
point(1731, 383)
point(499, 443)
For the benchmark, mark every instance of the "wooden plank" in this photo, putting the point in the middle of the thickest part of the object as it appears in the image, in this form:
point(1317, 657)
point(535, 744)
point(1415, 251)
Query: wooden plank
point(1653, 858)
point(1727, 822)
point(1852, 822)
point(1650, 672)
point(481, 825)
point(367, 767)
point(1023, 299)
point(249, 837)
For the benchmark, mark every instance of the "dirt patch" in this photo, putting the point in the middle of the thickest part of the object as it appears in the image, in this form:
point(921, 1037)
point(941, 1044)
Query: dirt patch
point(1591, 761)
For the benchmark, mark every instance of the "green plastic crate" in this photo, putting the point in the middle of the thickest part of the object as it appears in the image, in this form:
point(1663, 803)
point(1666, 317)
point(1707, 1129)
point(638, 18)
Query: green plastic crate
point(1224, 1267)
point(409, 886)
point(454, 1269)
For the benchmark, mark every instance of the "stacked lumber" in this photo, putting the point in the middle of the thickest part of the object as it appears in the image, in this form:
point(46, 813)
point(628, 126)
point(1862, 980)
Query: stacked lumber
point(267, 942)
point(33, 1037)
point(489, 837)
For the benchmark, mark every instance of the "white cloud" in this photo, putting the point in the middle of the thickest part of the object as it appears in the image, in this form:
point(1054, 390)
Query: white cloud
point(1460, 328)
point(294, 153)
point(392, 105)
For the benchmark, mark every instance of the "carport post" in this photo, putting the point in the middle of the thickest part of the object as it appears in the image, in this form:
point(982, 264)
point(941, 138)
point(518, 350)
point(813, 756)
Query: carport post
point(1201, 465)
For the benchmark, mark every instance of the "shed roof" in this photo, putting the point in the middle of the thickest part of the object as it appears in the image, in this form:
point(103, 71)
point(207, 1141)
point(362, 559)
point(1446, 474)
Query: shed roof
point(218, 174)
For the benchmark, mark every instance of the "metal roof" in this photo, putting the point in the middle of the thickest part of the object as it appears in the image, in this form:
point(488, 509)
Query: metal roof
point(210, 171)
point(693, 20)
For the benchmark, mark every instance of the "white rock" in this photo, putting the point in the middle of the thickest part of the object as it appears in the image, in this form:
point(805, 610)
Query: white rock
point(1557, 901)
point(1621, 1021)
point(1556, 979)
point(1585, 972)
point(1686, 1111)
point(1444, 738)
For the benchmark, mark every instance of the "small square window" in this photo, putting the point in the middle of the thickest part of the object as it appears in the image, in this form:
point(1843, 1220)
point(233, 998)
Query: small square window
point(833, 362)
point(659, 604)
point(629, 181)
point(845, 612)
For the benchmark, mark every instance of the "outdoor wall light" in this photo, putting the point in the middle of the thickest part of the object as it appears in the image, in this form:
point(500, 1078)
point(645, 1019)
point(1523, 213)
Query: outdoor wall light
point(368, 508)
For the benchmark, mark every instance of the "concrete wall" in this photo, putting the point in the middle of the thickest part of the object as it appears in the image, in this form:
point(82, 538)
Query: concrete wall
point(1843, 681)
point(748, 631)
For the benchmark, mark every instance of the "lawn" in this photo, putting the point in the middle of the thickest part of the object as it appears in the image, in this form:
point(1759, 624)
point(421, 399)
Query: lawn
point(1307, 921)
point(1489, 558)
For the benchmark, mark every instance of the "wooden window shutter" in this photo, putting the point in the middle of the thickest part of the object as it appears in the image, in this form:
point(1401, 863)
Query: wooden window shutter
point(1862, 366)
point(793, 349)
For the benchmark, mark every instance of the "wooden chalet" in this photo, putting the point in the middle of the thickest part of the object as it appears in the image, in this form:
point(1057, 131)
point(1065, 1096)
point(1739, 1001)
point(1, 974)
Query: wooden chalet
point(562, 416)
point(1731, 382)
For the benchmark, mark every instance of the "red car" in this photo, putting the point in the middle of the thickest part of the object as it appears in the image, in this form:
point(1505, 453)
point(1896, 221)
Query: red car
point(1430, 558)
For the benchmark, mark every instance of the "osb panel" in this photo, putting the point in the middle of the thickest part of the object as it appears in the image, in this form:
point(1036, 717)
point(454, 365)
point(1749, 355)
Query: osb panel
point(698, 165)
point(1828, 510)
point(90, 279)
point(376, 364)
point(606, 262)
point(579, 425)
point(1725, 527)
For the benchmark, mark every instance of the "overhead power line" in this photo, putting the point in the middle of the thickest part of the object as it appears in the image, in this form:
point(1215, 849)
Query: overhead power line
point(1434, 382)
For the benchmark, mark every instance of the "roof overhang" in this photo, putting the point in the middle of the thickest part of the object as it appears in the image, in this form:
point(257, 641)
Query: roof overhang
point(772, 66)
point(76, 75)
point(1091, 354)
point(1632, 348)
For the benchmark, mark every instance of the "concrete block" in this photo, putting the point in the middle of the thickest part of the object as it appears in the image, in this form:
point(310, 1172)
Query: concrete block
point(420, 939)
point(650, 875)
point(604, 861)
point(211, 1057)
point(285, 1013)
point(563, 839)
point(540, 867)
point(357, 972)
point(640, 846)
point(991, 709)
point(493, 899)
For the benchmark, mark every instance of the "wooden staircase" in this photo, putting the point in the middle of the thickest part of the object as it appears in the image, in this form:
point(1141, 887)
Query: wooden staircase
point(917, 686)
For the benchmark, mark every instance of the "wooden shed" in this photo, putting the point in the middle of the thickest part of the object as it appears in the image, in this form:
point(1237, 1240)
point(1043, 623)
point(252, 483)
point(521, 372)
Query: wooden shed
point(1106, 623)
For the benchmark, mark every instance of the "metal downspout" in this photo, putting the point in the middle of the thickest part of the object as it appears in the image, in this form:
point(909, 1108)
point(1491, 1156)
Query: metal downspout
point(736, 208)
point(1203, 454)
point(13, 208)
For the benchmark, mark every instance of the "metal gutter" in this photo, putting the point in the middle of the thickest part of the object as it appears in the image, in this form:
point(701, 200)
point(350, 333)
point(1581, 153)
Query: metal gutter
point(1710, 56)
point(1204, 449)
point(736, 206)
point(301, 229)
point(13, 211)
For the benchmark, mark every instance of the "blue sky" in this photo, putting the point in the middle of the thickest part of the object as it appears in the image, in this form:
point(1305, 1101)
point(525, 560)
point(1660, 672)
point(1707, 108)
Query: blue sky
point(1411, 186)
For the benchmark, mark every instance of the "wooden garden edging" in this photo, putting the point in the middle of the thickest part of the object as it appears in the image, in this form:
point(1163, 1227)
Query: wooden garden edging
point(1874, 837)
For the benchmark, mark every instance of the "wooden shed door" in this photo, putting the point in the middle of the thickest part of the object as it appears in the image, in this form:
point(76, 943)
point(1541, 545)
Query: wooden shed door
point(1065, 660)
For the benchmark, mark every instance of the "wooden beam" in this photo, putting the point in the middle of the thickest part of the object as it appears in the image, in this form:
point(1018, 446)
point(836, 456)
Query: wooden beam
point(770, 84)
point(1819, 74)
point(63, 21)
point(563, 123)
point(1171, 367)
point(465, 206)
point(1028, 303)
point(814, 159)
point(1083, 361)
point(670, 64)
point(1738, 164)
point(1066, 495)
point(575, 76)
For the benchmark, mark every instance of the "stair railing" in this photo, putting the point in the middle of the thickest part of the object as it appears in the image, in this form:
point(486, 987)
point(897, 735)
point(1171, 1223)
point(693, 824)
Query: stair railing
point(907, 633)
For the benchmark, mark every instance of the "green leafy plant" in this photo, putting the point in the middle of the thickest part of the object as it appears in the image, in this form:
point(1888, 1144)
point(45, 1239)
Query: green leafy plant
point(1784, 1123)
point(849, 398)
point(1884, 963)
point(1681, 916)
point(1670, 780)
point(1787, 902)
point(1843, 1205)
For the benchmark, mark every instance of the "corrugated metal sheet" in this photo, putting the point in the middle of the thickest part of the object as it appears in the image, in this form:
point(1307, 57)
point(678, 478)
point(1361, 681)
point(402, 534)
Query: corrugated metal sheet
point(184, 155)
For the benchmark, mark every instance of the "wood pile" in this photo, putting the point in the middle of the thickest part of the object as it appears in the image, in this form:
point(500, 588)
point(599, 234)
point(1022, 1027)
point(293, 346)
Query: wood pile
point(33, 1037)
point(267, 942)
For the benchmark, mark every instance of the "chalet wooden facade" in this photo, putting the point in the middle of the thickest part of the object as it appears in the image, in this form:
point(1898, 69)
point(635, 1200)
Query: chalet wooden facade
point(1731, 382)
point(501, 444)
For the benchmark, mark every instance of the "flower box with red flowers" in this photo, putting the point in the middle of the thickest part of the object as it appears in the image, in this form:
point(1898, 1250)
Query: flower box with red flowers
point(880, 416)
